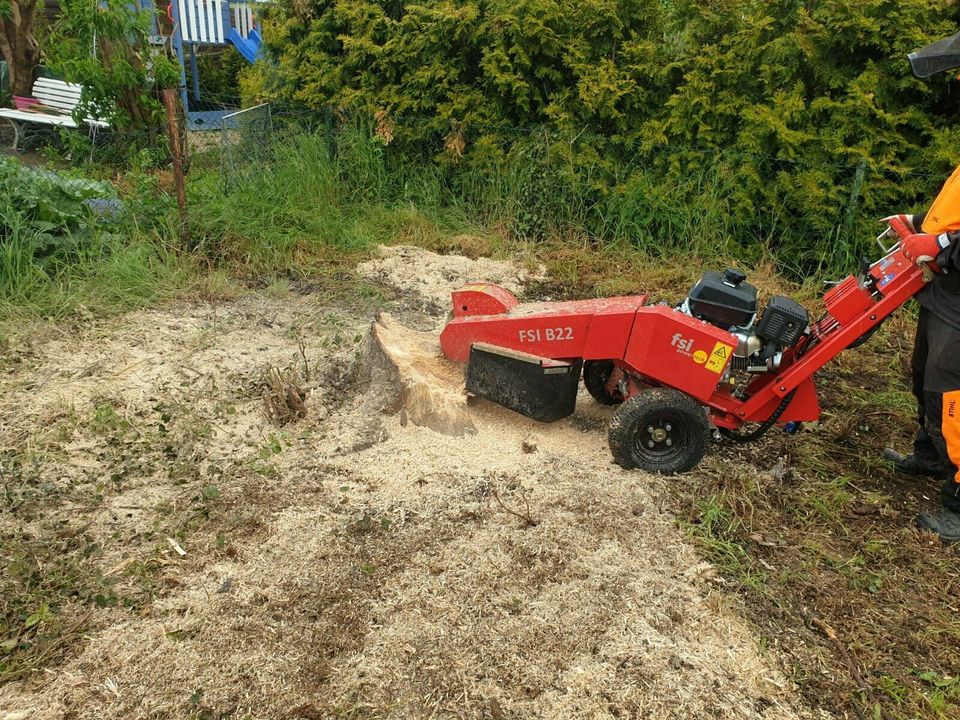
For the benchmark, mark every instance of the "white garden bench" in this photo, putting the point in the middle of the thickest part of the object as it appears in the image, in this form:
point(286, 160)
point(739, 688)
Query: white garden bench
point(58, 100)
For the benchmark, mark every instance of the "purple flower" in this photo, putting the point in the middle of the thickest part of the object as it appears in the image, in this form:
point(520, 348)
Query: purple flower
point(105, 208)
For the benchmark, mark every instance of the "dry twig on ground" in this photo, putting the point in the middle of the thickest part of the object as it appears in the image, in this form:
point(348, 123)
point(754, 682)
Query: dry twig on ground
point(283, 398)
point(523, 515)
point(855, 674)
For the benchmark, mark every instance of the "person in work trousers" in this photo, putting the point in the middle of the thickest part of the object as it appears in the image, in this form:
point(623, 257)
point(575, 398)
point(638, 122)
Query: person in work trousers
point(936, 354)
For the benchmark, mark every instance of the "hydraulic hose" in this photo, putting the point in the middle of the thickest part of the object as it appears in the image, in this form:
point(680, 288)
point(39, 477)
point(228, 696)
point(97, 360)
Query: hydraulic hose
point(758, 432)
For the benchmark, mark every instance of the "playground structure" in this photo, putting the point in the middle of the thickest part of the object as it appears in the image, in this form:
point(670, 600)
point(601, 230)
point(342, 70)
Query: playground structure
point(207, 22)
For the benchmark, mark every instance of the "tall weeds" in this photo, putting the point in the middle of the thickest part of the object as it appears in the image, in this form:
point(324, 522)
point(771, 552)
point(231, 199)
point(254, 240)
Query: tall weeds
point(310, 198)
point(98, 271)
point(314, 194)
point(20, 275)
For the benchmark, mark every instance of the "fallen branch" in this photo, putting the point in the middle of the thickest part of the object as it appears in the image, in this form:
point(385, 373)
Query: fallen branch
point(841, 649)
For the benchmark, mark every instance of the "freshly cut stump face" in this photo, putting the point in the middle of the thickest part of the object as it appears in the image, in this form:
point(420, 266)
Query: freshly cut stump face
point(431, 387)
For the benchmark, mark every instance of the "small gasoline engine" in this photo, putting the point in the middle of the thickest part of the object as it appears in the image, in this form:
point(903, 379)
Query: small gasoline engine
point(727, 301)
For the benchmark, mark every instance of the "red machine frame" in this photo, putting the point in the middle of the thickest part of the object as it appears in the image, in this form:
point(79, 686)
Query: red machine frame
point(661, 346)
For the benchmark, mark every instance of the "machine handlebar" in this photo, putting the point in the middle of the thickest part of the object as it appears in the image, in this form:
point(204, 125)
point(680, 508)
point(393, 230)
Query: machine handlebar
point(897, 228)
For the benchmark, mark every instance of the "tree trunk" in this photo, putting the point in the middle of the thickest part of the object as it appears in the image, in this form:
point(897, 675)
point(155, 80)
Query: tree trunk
point(19, 48)
point(128, 99)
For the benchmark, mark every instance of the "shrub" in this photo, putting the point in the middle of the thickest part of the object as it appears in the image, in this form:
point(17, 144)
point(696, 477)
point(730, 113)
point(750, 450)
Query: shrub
point(790, 126)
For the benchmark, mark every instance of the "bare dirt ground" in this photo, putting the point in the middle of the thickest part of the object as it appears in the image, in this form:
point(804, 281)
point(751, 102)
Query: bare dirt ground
point(397, 552)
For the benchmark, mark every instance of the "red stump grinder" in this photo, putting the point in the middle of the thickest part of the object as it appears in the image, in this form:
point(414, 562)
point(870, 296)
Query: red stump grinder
point(712, 366)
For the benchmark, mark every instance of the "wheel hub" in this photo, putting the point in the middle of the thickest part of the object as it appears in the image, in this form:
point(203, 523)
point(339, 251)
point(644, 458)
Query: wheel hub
point(658, 437)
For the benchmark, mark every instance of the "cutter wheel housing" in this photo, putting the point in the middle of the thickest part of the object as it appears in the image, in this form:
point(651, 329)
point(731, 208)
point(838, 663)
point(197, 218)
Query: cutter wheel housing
point(540, 388)
point(719, 359)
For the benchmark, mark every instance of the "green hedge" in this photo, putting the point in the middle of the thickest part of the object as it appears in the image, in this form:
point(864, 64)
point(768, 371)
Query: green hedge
point(758, 125)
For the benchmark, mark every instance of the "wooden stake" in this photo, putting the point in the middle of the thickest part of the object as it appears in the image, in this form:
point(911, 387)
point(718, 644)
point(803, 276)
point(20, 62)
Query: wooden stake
point(173, 135)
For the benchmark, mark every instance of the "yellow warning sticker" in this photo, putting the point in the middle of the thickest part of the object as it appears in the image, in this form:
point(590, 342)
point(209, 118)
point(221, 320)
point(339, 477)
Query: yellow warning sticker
point(700, 357)
point(718, 358)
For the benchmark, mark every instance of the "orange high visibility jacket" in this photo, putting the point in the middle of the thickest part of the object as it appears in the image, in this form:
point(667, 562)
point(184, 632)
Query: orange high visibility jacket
point(944, 215)
point(942, 296)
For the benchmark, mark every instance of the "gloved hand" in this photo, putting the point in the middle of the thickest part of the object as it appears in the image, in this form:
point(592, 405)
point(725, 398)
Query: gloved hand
point(924, 247)
point(905, 219)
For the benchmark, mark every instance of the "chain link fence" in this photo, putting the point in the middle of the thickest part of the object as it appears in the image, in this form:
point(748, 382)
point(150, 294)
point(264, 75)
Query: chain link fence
point(246, 138)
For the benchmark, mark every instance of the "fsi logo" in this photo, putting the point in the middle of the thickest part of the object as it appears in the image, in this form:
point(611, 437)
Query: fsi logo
point(681, 344)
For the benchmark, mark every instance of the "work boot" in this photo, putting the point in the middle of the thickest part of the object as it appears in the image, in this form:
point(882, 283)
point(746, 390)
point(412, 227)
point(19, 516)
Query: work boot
point(912, 465)
point(944, 523)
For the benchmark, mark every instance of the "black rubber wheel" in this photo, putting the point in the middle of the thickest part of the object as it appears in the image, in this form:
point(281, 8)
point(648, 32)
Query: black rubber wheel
point(595, 374)
point(659, 430)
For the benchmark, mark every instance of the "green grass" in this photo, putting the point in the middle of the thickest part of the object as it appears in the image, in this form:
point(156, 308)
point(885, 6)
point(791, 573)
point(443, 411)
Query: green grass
point(306, 204)
point(717, 531)
point(303, 207)
point(108, 272)
point(308, 198)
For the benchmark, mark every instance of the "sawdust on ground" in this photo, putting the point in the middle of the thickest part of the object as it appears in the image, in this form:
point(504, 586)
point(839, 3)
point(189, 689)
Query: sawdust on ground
point(361, 563)
point(423, 279)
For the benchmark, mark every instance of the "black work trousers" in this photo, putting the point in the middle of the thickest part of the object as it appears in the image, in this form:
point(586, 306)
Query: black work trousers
point(936, 385)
